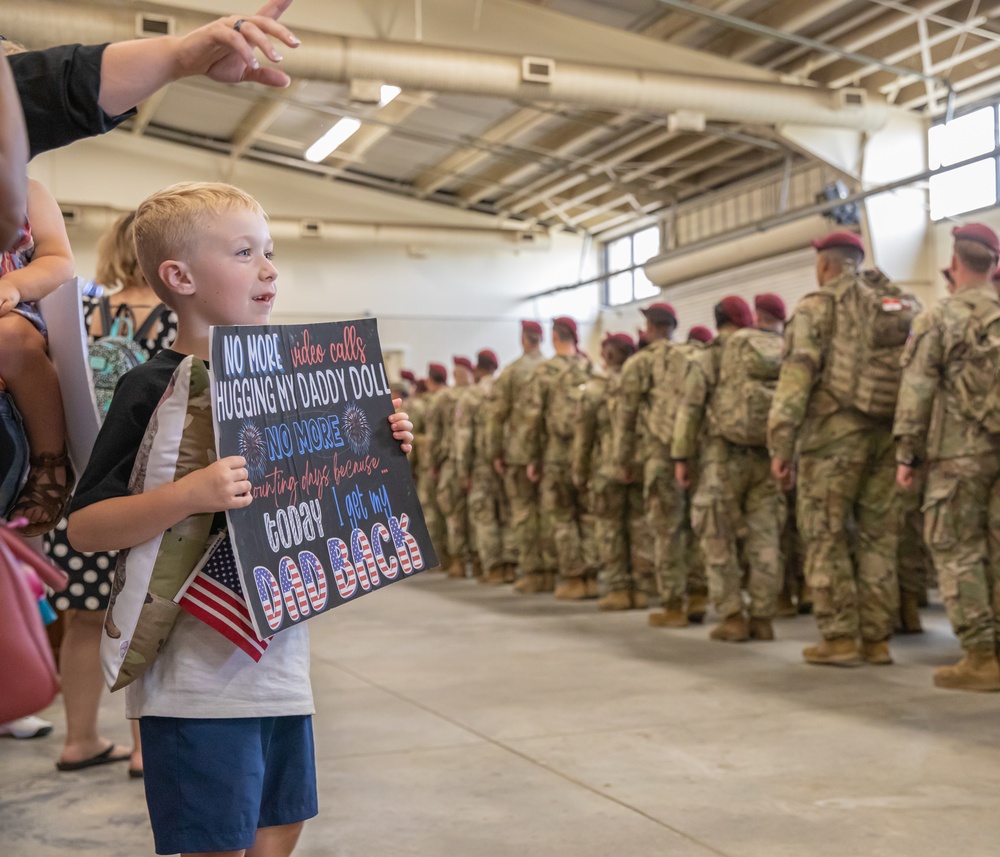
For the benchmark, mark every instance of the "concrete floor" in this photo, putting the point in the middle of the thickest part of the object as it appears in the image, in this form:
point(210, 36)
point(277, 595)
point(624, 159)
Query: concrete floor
point(458, 720)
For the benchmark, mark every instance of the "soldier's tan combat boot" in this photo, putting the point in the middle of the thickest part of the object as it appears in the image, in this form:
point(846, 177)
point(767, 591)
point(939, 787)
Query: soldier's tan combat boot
point(494, 577)
point(761, 629)
point(477, 568)
point(805, 600)
point(876, 653)
point(697, 607)
point(615, 601)
point(909, 614)
point(977, 671)
point(573, 589)
point(838, 652)
point(456, 568)
point(592, 589)
point(548, 581)
point(732, 629)
point(640, 600)
point(671, 616)
point(786, 607)
point(529, 584)
point(509, 573)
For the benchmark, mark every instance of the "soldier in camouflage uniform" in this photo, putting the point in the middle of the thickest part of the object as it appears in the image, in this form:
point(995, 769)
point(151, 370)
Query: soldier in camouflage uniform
point(552, 398)
point(451, 500)
point(623, 544)
point(508, 448)
point(727, 394)
point(846, 465)
point(476, 476)
point(437, 384)
point(651, 386)
point(949, 416)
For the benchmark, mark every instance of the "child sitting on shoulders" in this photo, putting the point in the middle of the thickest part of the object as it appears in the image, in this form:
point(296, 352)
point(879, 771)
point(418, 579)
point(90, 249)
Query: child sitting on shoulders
point(227, 743)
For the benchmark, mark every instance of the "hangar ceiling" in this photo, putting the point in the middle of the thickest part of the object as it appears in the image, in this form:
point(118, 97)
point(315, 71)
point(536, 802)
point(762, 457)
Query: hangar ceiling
point(557, 164)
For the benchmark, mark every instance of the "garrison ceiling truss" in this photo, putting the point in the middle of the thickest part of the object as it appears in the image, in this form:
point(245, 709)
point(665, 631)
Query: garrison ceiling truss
point(599, 171)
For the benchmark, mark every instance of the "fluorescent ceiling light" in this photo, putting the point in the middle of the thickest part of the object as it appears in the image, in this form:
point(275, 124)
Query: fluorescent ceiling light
point(333, 138)
point(388, 93)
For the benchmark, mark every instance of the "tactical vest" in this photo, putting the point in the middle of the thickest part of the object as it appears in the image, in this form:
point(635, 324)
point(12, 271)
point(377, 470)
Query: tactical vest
point(871, 322)
point(667, 391)
point(565, 394)
point(974, 364)
point(748, 375)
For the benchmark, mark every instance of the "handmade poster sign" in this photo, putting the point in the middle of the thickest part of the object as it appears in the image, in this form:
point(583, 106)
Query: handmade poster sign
point(335, 512)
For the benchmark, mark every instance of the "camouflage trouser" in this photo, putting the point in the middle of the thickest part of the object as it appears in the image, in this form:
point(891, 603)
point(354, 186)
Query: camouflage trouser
point(485, 507)
point(454, 505)
point(792, 549)
point(427, 494)
point(962, 529)
point(850, 484)
point(738, 501)
point(676, 557)
point(522, 494)
point(560, 520)
point(511, 548)
point(625, 545)
point(915, 565)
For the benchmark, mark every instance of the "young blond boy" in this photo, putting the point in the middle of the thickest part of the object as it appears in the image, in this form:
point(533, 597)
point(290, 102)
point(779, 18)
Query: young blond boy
point(227, 743)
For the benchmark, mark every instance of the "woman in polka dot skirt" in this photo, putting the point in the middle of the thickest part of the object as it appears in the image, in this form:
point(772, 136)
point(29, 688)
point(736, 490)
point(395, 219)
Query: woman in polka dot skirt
point(85, 600)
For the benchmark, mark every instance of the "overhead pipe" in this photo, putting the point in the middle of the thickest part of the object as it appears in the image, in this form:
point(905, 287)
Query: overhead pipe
point(99, 217)
point(340, 59)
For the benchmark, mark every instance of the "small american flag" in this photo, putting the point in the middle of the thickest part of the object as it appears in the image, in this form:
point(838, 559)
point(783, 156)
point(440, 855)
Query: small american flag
point(213, 594)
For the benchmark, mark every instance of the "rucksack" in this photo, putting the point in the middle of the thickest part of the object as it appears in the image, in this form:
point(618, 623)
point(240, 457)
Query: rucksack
point(117, 351)
point(565, 394)
point(669, 370)
point(977, 382)
point(871, 323)
point(748, 375)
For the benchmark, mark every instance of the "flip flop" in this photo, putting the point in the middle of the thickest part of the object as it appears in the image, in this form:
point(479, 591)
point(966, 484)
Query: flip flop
point(135, 773)
point(102, 758)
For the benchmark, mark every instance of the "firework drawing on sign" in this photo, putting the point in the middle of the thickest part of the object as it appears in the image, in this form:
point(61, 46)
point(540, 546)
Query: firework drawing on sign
point(356, 429)
point(254, 449)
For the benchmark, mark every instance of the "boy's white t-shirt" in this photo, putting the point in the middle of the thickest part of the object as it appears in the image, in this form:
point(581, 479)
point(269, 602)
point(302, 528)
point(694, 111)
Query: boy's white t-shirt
point(201, 674)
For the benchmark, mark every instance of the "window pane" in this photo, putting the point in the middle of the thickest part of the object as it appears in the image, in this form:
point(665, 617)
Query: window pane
point(961, 138)
point(643, 287)
point(620, 254)
point(647, 244)
point(965, 189)
point(620, 289)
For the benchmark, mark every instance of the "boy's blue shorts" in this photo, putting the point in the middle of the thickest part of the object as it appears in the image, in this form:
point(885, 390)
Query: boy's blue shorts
point(211, 783)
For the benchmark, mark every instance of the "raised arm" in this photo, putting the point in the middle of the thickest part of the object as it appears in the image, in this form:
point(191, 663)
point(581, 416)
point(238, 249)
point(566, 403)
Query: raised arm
point(132, 71)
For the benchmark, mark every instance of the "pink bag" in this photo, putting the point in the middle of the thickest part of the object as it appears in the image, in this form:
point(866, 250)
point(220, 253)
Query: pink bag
point(27, 670)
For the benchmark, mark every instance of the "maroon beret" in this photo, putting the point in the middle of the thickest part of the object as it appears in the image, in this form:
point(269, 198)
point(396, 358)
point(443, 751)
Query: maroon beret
point(532, 327)
point(737, 311)
point(622, 339)
point(840, 239)
point(487, 359)
point(771, 304)
point(980, 233)
point(700, 333)
point(464, 362)
point(566, 323)
point(407, 375)
point(660, 313)
point(437, 372)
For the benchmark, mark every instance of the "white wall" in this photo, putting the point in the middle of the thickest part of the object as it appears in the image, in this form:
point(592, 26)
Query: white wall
point(432, 301)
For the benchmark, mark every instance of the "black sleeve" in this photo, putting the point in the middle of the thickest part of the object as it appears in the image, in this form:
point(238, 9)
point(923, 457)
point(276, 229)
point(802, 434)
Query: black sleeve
point(109, 469)
point(60, 88)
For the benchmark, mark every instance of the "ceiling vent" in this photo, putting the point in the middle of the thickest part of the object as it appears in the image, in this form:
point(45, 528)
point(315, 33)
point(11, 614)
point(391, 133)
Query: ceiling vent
point(149, 25)
point(527, 237)
point(537, 69)
point(311, 228)
point(853, 98)
point(71, 216)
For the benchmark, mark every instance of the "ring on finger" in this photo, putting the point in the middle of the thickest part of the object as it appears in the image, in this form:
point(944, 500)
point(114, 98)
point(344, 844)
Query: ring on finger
point(238, 24)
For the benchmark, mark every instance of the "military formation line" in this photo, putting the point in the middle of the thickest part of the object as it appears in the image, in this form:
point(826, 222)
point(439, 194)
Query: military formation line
point(832, 466)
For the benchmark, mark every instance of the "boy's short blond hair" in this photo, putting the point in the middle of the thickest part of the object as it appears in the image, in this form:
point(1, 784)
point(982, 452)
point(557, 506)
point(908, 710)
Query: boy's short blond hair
point(167, 223)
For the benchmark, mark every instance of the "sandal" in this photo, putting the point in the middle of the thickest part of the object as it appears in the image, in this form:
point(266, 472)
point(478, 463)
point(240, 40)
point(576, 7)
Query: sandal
point(44, 490)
